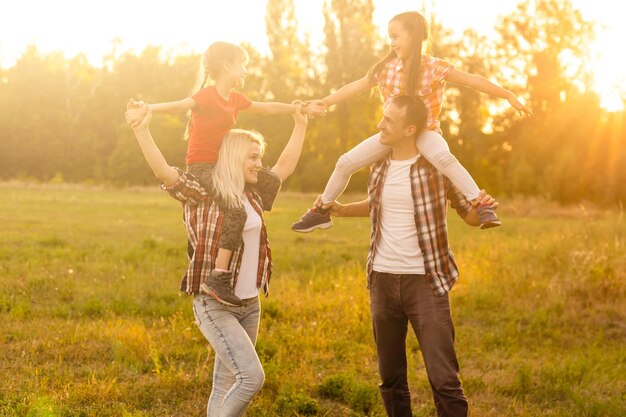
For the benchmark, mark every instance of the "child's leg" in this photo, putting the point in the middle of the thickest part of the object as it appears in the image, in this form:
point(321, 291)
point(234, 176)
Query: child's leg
point(362, 155)
point(435, 149)
point(234, 218)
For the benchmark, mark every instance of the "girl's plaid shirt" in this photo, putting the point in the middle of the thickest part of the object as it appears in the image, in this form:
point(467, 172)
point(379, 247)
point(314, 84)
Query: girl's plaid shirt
point(203, 220)
point(432, 84)
point(430, 190)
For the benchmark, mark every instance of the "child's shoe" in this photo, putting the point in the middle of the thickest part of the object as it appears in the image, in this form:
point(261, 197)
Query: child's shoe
point(488, 218)
point(218, 286)
point(315, 218)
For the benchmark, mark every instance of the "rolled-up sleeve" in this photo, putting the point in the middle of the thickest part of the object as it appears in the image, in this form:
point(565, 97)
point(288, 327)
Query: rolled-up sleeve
point(186, 189)
point(458, 200)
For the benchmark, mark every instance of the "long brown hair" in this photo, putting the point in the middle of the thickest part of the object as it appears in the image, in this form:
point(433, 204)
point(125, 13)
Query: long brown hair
point(213, 60)
point(416, 25)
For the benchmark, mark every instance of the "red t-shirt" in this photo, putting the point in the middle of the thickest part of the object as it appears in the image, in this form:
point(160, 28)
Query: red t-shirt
point(211, 119)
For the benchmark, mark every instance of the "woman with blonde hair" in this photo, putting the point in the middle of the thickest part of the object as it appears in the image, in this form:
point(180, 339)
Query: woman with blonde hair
point(238, 179)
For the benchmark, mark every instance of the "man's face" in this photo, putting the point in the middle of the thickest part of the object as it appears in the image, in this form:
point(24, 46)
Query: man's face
point(392, 125)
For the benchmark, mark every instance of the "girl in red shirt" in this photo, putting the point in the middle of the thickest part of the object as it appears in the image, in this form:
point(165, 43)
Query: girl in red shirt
point(213, 107)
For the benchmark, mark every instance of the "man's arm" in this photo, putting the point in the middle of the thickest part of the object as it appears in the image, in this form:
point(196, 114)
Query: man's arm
point(484, 199)
point(356, 209)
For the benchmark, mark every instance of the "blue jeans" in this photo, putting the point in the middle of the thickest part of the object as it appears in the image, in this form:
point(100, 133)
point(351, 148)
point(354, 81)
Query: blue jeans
point(237, 374)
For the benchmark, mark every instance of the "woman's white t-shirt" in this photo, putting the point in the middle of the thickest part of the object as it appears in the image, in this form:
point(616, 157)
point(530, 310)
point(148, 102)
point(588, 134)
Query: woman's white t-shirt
point(246, 280)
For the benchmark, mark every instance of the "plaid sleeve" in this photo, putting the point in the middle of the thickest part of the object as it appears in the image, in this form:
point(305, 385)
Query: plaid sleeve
point(457, 200)
point(186, 189)
point(268, 187)
point(441, 69)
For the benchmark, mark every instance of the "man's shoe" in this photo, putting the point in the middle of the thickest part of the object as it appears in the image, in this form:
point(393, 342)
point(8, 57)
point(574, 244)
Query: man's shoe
point(218, 286)
point(315, 218)
point(488, 218)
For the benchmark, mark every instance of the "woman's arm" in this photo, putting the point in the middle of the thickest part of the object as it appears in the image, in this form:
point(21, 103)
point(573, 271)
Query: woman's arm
point(288, 159)
point(483, 85)
point(155, 159)
point(134, 115)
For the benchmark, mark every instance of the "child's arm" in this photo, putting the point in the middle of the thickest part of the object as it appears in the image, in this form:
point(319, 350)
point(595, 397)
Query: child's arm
point(134, 115)
point(155, 159)
point(270, 107)
point(485, 86)
point(347, 91)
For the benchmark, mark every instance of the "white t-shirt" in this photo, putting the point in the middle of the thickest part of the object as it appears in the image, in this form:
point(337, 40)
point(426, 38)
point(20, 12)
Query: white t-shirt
point(397, 248)
point(246, 280)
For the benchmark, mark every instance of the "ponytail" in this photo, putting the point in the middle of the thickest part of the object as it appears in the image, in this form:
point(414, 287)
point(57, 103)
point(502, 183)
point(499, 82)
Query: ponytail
point(212, 63)
point(416, 25)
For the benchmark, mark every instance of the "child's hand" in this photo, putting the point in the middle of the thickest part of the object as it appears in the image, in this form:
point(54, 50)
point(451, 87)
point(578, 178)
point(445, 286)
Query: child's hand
point(299, 116)
point(315, 108)
point(517, 105)
point(136, 111)
point(138, 114)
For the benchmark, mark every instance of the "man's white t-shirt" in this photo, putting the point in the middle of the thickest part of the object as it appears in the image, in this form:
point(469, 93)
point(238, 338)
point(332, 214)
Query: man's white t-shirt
point(397, 248)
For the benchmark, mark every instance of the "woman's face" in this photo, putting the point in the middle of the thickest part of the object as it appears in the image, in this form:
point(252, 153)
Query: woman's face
point(400, 39)
point(252, 163)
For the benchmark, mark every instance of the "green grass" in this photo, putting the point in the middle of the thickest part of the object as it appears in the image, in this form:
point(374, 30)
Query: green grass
point(92, 323)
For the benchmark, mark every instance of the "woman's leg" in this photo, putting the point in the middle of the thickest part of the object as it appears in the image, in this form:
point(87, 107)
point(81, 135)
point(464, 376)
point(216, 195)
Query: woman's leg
point(362, 155)
point(238, 374)
point(435, 149)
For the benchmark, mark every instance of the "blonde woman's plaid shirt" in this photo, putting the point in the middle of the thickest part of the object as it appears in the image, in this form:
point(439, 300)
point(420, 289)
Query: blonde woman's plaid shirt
point(203, 221)
point(391, 83)
point(431, 191)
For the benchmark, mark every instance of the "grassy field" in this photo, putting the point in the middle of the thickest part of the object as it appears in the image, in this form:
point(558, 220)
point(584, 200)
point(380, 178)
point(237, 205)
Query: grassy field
point(92, 323)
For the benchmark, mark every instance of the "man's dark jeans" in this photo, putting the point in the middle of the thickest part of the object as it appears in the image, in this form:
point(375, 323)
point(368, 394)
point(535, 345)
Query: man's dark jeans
point(396, 300)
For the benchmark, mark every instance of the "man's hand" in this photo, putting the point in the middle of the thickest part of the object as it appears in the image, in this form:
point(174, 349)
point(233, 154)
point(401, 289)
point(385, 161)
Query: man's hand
point(484, 199)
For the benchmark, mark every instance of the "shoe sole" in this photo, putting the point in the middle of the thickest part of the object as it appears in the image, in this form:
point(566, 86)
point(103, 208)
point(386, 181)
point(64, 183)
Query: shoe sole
point(206, 290)
point(312, 228)
point(490, 224)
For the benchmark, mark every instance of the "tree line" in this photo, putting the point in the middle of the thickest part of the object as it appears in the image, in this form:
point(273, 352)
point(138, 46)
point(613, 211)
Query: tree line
point(62, 119)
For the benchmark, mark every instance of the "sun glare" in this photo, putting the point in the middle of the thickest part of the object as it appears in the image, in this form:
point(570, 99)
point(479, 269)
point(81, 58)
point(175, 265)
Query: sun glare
point(609, 71)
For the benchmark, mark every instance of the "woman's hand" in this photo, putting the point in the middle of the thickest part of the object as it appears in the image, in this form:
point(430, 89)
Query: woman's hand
point(299, 117)
point(138, 114)
point(315, 108)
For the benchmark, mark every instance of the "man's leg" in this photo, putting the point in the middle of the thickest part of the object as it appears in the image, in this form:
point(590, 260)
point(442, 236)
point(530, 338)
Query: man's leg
point(390, 328)
point(431, 320)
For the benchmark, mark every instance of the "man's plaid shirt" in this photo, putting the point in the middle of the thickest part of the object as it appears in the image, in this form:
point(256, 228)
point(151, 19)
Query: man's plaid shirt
point(430, 190)
point(203, 221)
point(432, 84)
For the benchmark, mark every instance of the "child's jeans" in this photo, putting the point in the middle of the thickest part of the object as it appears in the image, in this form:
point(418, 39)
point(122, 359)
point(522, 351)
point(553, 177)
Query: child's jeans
point(234, 218)
point(430, 144)
point(232, 331)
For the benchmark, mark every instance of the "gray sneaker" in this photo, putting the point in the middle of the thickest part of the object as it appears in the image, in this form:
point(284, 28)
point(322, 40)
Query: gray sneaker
point(218, 286)
point(488, 218)
point(315, 218)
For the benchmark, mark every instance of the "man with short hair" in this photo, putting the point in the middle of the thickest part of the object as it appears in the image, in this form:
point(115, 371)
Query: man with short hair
point(410, 267)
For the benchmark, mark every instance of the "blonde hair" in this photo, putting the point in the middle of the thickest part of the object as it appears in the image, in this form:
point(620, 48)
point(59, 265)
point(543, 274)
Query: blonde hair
point(211, 64)
point(228, 176)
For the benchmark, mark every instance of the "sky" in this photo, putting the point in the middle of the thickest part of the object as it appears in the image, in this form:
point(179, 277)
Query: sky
point(185, 26)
